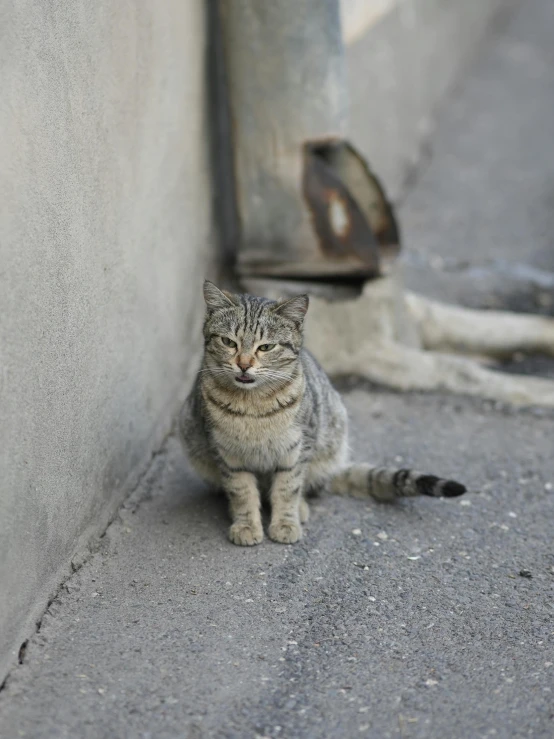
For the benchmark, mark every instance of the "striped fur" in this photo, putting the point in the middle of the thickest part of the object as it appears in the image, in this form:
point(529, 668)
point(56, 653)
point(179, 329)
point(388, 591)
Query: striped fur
point(264, 420)
point(387, 485)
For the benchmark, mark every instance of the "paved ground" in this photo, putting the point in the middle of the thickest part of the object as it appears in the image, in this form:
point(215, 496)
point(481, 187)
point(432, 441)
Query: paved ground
point(422, 625)
point(430, 619)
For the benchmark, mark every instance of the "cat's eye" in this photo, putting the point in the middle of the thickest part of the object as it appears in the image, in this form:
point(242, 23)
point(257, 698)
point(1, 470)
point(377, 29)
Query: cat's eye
point(266, 347)
point(228, 342)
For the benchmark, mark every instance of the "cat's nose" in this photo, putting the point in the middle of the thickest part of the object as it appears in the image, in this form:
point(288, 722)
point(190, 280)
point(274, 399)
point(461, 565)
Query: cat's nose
point(244, 362)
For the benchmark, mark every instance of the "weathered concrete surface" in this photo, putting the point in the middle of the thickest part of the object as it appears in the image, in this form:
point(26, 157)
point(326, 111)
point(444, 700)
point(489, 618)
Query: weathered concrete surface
point(421, 625)
point(479, 223)
point(104, 228)
point(358, 16)
point(402, 59)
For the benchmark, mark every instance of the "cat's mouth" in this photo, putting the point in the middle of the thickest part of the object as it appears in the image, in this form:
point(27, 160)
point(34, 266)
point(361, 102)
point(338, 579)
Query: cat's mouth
point(245, 379)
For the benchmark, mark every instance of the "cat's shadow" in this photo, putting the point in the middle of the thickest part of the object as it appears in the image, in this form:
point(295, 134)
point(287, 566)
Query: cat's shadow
point(190, 503)
point(195, 511)
point(184, 504)
point(199, 510)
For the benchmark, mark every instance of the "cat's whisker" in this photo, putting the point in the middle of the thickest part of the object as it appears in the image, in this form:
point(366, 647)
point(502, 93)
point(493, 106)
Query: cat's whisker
point(275, 373)
point(274, 381)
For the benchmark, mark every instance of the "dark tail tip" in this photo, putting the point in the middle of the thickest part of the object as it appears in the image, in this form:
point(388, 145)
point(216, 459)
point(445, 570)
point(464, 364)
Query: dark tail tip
point(438, 488)
point(452, 489)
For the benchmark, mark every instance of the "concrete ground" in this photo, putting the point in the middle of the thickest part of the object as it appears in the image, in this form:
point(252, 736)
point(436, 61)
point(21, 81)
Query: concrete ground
point(429, 619)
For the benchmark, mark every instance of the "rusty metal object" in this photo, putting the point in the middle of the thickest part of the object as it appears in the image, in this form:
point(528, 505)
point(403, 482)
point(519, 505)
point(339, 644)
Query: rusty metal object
point(342, 230)
point(366, 190)
point(350, 212)
point(344, 224)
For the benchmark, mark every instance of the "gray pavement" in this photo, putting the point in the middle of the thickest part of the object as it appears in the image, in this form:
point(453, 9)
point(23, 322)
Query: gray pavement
point(420, 625)
point(428, 619)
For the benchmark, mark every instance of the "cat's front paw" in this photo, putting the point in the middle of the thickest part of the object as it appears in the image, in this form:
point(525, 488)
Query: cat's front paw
point(245, 535)
point(285, 532)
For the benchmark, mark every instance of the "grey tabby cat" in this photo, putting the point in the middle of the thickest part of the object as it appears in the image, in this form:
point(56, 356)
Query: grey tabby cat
point(263, 417)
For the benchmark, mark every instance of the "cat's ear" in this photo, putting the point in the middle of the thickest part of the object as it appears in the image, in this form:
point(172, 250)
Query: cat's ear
point(294, 309)
point(216, 298)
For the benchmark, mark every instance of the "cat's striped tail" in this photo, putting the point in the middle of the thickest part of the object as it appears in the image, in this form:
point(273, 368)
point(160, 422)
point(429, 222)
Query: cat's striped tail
point(385, 484)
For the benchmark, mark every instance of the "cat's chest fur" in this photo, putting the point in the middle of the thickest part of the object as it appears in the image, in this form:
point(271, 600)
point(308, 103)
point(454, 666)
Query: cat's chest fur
point(256, 435)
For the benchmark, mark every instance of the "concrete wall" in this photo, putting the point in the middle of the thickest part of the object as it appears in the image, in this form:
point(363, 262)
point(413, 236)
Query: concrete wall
point(105, 233)
point(403, 56)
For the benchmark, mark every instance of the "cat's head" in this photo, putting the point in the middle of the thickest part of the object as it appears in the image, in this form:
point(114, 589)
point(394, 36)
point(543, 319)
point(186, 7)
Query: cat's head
point(252, 342)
